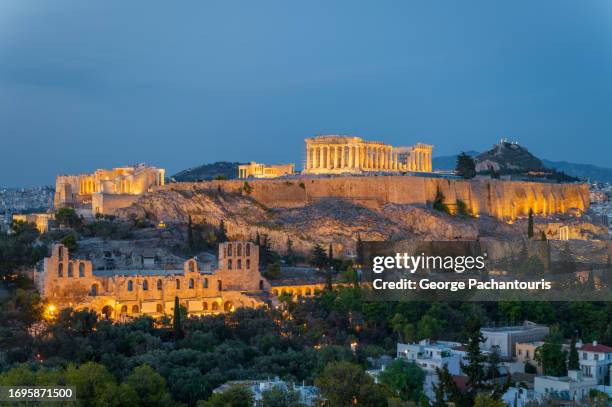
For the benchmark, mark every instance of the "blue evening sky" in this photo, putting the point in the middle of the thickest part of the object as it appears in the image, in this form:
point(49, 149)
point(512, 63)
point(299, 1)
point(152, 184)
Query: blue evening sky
point(87, 85)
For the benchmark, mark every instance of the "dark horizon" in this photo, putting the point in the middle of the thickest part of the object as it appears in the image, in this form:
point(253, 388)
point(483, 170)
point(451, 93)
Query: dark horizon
point(179, 86)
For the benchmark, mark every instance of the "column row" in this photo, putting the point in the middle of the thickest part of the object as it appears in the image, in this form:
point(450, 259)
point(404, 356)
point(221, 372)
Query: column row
point(370, 157)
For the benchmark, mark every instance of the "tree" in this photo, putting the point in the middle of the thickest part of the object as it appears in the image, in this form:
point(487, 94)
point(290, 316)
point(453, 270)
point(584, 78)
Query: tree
point(70, 242)
point(494, 360)
point(359, 251)
point(466, 166)
point(150, 386)
point(221, 232)
point(279, 396)
point(290, 254)
point(483, 400)
point(446, 389)
point(574, 360)
point(438, 203)
point(551, 356)
point(319, 257)
point(176, 321)
point(234, 396)
point(530, 224)
point(404, 378)
point(273, 271)
point(67, 217)
point(474, 369)
point(345, 384)
point(543, 236)
point(330, 254)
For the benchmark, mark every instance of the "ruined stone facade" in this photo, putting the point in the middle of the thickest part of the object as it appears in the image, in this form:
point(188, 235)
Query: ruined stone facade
point(104, 191)
point(121, 294)
point(344, 154)
point(257, 170)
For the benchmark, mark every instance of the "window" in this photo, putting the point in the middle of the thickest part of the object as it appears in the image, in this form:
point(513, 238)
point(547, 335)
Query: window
point(61, 252)
point(60, 270)
point(158, 308)
point(527, 353)
point(229, 250)
point(248, 264)
point(584, 356)
point(215, 306)
point(145, 285)
point(134, 309)
point(596, 356)
point(239, 250)
point(191, 283)
point(205, 283)
point(124, 309)
point(178, 284)
point(70, 272)
point(520, 352)
point(130, 285)
point(308, 291)
point(205, 306)
point(159, 284)
point(229, 264)
point(191, 266)
point(248, 249)
point(261, 285)
point(239, 264)
point(219, 285)
point(81, 269)
point(94, 290)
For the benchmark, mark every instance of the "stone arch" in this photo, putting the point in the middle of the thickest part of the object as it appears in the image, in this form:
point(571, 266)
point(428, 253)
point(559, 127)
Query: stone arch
point(81, 269)
point(60, 252)
point(191, 283)
point(275, 292)
point(229, 264)
point(159, 308)
point(229, 250)
point(307, 291)
point(248, 264)
point(239, 264)
point(228, 306)
point(107, 312)
point(215, 306)
point(94, 290)
point(70, 269)
point(135, 309)
point(205, 306)
point(130, 285)
point(205, 282)
point(248, 249)
point(178, 283)
point(60, 270)
point(124, 309)
point(159, 284)
point(145, 285)
point(192, 267)
point(239, 250)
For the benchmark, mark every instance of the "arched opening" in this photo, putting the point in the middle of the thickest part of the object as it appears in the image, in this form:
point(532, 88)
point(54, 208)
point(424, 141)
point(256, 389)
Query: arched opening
point(205, 283)
point(248, 249)
point(124, 309)
point(219, 285)
point(229, 264)
point(248, 263)
point(229, 250)
point(159, 284)
point(239, 264)
point(307, 292)
point(134, 309)
point(191, 283)
point(261, 285)
point(228, 306)
point(94, 290)
point(107, 312)
point(275, 292)
point(70, 271)
point(61, 252)
point(239, 250)
point(192, 266)
point(215, 306)
point(130, 285)
point(205, 306)
point(60, 270)
point(81, 269)
point(178, 284)
point(145, 285)
point(158, 308)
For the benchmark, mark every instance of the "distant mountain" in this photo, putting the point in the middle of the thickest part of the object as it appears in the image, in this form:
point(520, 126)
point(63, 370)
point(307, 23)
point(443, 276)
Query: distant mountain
point(207, 172)
point(584, 171)
point(448, 162)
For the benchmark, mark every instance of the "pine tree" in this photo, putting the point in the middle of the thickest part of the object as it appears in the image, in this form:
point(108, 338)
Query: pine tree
point(257, 239)
point(290, 256)
point(543, 236)
point(319, 257)
point(359, 251)
point(222, 232)
point(475, 367)
point(574, 361)
point(530, 224)
point(176, 322)
point(330, 254)
point(466, 166)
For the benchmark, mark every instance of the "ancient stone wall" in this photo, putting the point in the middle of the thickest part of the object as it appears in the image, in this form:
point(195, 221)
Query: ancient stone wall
point(502, 199)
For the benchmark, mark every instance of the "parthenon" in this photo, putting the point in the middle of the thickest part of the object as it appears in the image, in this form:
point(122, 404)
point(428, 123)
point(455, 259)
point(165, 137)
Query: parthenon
point(333, 154)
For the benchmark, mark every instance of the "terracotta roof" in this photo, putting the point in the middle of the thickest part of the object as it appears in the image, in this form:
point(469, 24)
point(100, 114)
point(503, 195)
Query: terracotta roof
point(460, 381)
point(589, 347)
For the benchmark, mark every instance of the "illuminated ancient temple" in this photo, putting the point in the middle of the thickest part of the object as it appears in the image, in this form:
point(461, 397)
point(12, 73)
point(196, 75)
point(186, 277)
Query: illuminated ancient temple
point(344, 154)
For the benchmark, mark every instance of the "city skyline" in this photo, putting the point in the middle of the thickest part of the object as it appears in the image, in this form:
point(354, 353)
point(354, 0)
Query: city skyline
point(178, 87)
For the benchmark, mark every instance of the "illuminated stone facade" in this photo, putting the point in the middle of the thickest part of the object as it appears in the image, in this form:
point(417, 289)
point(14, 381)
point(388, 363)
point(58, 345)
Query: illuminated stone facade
point(119, 294)
point(344, 154)
point(41, 220)
point(257, 170)
point(104, 191)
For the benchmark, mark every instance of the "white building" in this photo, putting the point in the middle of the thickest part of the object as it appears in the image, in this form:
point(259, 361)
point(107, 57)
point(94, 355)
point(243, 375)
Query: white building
point(505, 338)
point(571, 387)
point(431, 355)
point(595, 361)
point(308, 395)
